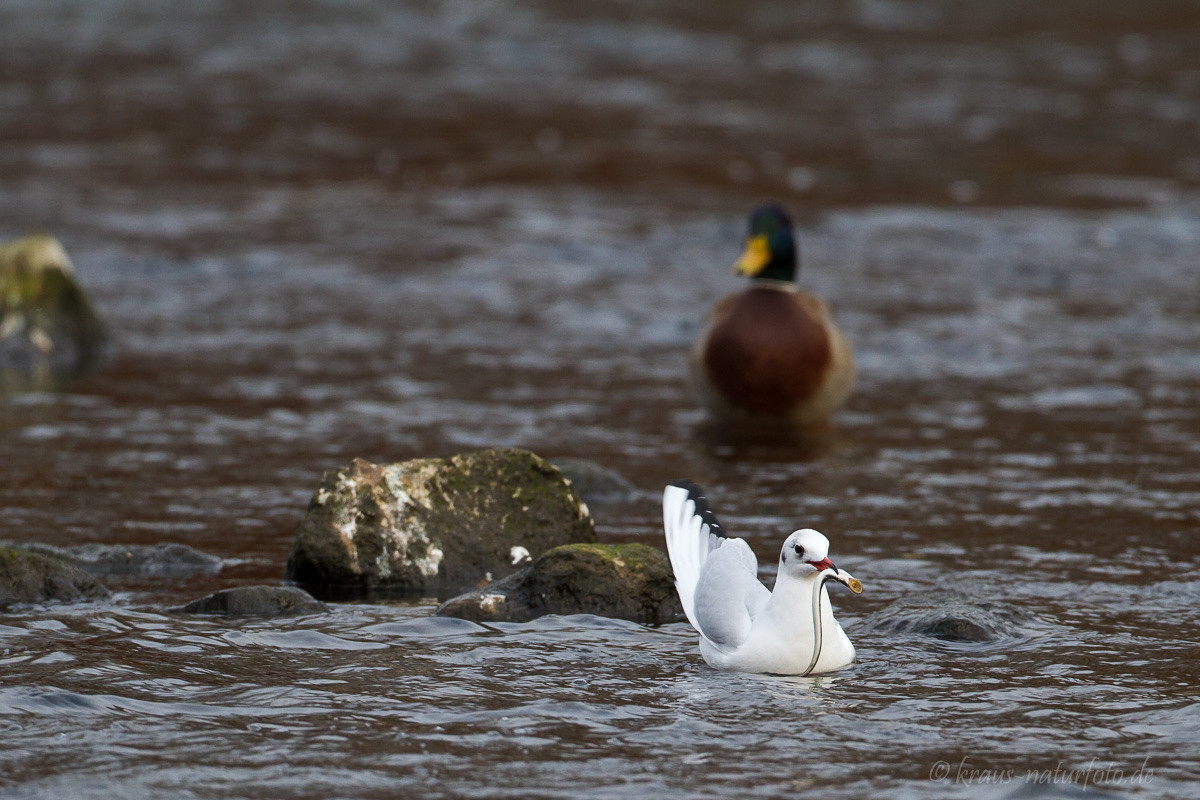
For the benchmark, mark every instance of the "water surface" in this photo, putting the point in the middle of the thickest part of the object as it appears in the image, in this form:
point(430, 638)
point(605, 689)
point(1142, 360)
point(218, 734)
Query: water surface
point(326, 231)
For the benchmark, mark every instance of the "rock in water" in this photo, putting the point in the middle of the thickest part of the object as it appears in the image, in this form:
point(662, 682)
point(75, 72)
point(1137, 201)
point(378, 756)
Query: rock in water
point(27, 577)
point(952, 617)
point(626, 581)
point(167, 560)
point(433, 525)
point(48, 329)
point(596, 484)
point(255, 601)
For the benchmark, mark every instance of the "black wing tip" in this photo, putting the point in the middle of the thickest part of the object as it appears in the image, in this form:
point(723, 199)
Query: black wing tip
point(703, 509)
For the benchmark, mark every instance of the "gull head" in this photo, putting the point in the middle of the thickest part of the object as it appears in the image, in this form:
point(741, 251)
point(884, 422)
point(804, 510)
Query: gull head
point(806, 553)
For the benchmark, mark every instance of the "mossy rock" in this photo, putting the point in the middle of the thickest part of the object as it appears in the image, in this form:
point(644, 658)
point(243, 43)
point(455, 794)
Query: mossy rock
point(625, 581)
point(28, 577)
point(255, 601)
point(47, 323)
point(433, 525)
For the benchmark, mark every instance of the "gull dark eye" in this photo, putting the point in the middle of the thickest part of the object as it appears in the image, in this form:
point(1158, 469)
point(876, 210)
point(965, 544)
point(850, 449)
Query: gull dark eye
point(799, 550)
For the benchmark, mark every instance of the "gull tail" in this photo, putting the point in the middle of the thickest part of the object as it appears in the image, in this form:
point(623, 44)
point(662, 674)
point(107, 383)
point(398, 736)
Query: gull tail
point(692, 533)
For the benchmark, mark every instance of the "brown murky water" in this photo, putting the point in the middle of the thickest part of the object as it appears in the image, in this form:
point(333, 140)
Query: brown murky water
point(321, 231)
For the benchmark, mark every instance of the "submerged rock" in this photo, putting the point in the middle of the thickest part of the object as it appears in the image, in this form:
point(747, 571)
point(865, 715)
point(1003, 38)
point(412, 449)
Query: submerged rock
point(168, 560)
point(950, 616)
point(626, 581)
point(48, 329)
point(255, 601)
point(595, 483)
point(434, 525)
point(28, 577)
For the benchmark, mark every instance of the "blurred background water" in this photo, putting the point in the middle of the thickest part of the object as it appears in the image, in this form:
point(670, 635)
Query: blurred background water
point(320, 231)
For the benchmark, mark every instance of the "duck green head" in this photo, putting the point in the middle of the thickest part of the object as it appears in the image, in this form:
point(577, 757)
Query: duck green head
point(770, 249)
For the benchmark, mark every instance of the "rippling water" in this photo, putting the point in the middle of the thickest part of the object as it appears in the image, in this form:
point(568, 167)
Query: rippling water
point(321, 231)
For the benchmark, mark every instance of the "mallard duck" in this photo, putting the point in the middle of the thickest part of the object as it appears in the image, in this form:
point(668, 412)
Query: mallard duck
point(771, 352)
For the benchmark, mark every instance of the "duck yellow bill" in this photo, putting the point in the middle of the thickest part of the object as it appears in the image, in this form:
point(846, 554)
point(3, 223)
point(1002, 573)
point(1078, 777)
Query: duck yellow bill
point(755, 256)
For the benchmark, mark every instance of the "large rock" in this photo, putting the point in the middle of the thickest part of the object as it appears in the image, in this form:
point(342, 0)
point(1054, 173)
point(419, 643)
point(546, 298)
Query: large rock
point(627, 581)
point(432, 525)
point(48, 329)
point(28, 577)
point(255, 601)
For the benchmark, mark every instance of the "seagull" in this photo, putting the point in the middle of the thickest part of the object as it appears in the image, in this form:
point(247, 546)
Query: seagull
point(744, 626)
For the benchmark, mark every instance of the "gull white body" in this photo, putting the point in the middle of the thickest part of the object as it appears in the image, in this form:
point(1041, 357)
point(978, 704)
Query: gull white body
point(744, 626)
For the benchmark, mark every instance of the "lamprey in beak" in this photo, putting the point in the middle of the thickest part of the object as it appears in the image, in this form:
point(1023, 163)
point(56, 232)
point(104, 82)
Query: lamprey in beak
point(852, 582)
point(839, 575)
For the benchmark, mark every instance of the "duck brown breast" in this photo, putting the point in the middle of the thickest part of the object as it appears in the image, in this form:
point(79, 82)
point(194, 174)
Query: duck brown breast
point(769, 352)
